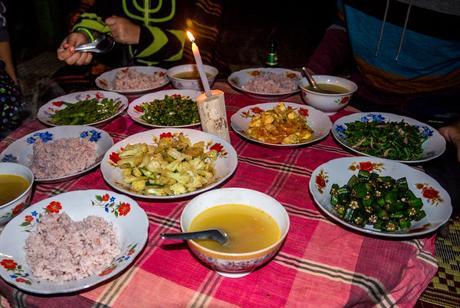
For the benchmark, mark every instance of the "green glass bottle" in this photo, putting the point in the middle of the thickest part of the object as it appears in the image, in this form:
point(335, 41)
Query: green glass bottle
point(272, 55)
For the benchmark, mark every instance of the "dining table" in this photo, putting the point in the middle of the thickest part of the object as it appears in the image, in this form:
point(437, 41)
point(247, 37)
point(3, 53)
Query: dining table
point(321, 263)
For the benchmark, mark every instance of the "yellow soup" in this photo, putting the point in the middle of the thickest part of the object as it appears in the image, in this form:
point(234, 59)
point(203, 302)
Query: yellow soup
point(328, 88)
point(11, 186)
point(249, 228)
point(190, 75)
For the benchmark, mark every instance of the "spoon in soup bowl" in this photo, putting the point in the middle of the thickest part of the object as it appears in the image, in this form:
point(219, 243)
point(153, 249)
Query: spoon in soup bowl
point(310, 79)
point(211, 234)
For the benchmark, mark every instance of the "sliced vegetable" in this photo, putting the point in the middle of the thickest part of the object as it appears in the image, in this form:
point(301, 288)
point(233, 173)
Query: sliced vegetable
point(380, 201)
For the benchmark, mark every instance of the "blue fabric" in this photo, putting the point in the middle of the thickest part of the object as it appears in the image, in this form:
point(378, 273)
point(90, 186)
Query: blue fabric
point(421, 55)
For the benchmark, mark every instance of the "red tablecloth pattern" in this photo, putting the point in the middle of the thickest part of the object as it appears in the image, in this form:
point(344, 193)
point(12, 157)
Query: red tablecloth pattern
point(320, 263)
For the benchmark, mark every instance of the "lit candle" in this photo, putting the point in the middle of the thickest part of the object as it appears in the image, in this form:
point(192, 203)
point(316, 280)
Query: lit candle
point(199, 64)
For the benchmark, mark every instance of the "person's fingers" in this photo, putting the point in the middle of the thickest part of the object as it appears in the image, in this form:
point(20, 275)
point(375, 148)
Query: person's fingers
point(64, 53)
point(63, 44)
point(83, 58)
point(444, 132)
point(76, 39)
point(73, 40)
point(73, 58)
point(89, 58)
point(115, 29)
point(110, 21)
point(452, 134)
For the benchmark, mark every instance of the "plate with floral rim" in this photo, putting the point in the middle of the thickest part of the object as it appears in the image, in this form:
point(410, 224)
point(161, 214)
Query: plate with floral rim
point(136, 112)
point(284, 82)
point(436, 201)
point(46, 111)
point(317, 120)
point(140, 74)
point(126, 216)
point(21, 150)
point(432, 147)
point(224, 165)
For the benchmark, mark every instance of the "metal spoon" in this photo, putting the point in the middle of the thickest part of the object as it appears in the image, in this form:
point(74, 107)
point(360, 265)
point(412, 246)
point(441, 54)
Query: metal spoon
point(212, 234)
point(102, 44)
point(309, 77)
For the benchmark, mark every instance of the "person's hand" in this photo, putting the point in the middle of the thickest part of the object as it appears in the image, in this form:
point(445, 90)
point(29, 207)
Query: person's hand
point(66, 52)
point(123, 30)
point(452, 134)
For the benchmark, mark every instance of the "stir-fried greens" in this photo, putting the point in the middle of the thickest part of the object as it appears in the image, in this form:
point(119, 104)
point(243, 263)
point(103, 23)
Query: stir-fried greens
point(86, 111)
point(381, 201)
point(174, 110)
point(391, 140)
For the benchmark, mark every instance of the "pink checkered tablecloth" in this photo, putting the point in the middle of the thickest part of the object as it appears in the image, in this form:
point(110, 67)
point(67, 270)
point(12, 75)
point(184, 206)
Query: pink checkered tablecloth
point(320, 263)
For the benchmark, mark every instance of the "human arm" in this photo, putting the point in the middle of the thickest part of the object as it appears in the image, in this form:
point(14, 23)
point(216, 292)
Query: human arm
point(81, 34)
point(452, 134)
point(158, 36)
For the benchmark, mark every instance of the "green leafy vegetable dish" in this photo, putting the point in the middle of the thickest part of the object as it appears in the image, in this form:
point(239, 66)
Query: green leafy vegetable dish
point(390, 140)
point(381, 201)
point(174, 110)
point(86, 111)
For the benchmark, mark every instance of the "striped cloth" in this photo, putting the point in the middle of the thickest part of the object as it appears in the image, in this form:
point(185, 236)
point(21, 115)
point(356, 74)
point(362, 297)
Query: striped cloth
point(320, 264)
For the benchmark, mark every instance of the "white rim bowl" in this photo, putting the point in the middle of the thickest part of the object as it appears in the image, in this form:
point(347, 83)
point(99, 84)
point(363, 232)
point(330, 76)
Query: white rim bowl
point(21, 170)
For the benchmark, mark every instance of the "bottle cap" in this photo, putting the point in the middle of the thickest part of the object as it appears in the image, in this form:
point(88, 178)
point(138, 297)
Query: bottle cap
point(272, 56)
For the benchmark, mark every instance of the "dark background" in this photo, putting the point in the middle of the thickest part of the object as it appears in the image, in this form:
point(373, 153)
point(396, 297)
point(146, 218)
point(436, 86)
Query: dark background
point(247, 27)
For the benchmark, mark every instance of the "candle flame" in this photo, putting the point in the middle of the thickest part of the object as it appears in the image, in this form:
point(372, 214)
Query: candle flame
point(190, 36)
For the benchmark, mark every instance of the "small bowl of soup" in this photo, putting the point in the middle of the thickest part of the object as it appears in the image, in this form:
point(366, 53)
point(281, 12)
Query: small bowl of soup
point(333, 93)
point(15, 190)
point(256, 225)
point(187, 76)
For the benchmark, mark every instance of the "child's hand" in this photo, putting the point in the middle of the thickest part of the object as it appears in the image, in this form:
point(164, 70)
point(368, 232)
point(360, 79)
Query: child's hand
point(66, 52)
point(123, 30)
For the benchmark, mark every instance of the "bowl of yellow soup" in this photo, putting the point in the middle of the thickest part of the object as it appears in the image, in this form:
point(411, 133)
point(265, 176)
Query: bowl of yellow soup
point(186, 76)
point(15, 190)
point(256, 225)
point(334, 93)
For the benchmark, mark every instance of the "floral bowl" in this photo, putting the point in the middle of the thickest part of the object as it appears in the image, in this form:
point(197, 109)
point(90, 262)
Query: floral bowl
point(235, 265)
point(328, 103)
point(180, 82)
point(15, 206)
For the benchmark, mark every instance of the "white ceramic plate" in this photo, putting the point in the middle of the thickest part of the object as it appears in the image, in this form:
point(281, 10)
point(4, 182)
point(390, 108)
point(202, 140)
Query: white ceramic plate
point(316, 120)
point(240, 78)
point(105, 80)
point(127, 217)
point(224, 165)
point(135, 113)
point(47, 110)
point(21, 150)
point(433, 147)
point(436, 201)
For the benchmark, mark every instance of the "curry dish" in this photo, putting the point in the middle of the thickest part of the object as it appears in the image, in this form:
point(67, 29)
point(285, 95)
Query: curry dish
point(280, 125)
